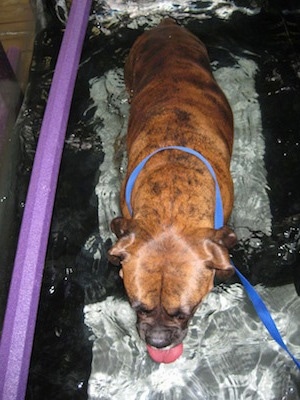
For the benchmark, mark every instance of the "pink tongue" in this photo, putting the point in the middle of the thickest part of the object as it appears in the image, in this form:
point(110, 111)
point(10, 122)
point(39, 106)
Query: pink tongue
point(165, 356)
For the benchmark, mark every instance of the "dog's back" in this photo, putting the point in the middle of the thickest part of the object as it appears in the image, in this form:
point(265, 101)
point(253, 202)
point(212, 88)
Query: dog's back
point(176, 101)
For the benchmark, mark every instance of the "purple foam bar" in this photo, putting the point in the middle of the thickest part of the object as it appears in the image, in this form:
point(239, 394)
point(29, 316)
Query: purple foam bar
point(21, 311)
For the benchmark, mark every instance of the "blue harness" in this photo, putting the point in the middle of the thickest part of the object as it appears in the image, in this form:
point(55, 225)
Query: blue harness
point(256, 300)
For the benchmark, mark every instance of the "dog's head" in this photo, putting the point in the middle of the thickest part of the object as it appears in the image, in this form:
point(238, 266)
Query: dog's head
point(167, 276)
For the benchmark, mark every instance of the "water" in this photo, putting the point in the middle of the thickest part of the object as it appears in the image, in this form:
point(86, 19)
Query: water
point(227, 355)
point(86, 343)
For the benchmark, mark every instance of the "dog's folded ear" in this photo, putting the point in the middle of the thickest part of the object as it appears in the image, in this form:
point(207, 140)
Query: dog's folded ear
point(120, 226)
point(119, 252)
point(225, 237)
point(216, 248)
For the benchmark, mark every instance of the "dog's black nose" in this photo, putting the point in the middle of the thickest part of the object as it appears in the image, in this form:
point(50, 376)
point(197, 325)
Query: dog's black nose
point(159, 338)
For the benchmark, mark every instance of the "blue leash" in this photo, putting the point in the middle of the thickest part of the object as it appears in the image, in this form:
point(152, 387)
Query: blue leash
point(256, 300)
point(264, 315)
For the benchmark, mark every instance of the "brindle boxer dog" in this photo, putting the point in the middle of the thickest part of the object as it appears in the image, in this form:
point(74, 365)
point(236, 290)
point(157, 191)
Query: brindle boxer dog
point(167, 245)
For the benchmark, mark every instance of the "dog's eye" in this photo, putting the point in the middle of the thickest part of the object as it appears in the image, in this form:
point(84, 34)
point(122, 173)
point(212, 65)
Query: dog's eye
point(179, 315)
point(144, 311)
point(141, 309)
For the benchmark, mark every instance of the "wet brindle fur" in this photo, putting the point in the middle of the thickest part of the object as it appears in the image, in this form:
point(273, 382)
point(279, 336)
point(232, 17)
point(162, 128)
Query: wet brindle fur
point(169, 249)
